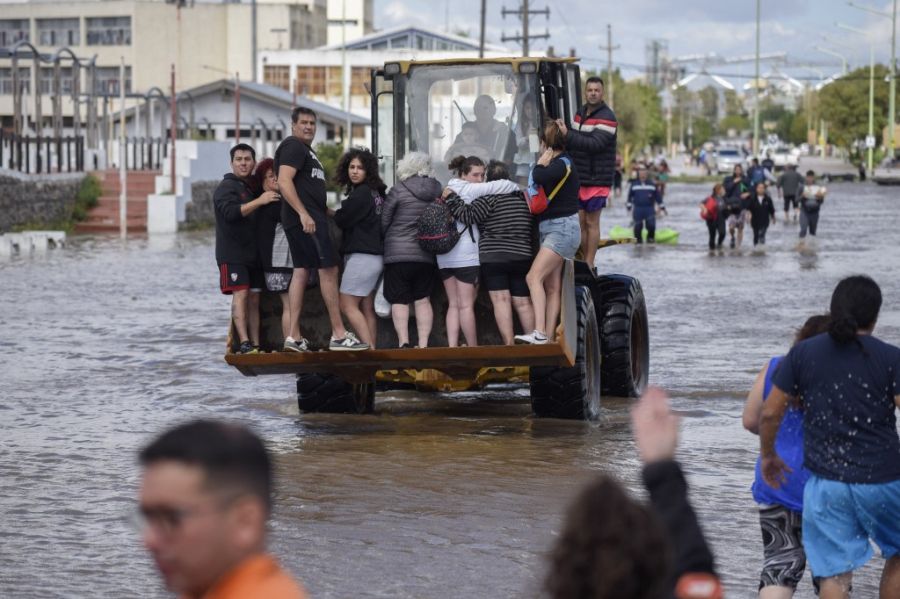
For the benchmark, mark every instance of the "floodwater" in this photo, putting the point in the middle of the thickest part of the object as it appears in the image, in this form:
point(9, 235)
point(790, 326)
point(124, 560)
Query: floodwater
point(106, 343)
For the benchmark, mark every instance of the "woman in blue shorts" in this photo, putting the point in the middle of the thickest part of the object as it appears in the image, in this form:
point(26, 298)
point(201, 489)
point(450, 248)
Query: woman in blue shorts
point(560, 233)
point(781, 509)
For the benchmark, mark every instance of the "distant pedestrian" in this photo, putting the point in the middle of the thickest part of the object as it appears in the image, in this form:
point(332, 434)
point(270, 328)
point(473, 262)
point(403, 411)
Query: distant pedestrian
point(591, 142)
point(849, 384)
point(756, 173)
point(205, 500)
point(811, 198)
point(644, 203)
point(768, 166)
point(762, 212)
point(737, 199)
point(781, 509)
point(711, 211)
point(789, 184)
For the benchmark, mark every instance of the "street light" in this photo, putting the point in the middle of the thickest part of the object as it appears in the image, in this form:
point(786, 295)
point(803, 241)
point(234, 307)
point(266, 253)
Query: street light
point(836, 55)
point(893, 74)
point(870, 137)
point(756, 89)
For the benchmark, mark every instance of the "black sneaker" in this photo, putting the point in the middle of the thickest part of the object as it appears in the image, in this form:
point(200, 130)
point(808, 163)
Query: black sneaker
point(406, 346)
point(247, 348)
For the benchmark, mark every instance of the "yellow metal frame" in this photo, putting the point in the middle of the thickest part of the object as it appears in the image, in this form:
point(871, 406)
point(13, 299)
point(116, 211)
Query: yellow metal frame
point(515, 61)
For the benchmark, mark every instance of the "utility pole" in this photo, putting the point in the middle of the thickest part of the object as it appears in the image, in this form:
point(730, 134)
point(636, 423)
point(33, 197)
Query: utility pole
point(253, 38)
point(756, 89)
point(892, 115)
point(524, 13)
point(609, 72)
point(481, 35)
point(123, 192)
point(173, 134)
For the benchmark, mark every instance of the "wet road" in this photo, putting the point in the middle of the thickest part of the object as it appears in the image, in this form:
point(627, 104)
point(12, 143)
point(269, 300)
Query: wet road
point(105, 343)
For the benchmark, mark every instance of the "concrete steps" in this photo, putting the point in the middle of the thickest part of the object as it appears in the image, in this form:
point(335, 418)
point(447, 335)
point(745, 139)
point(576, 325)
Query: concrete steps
point(104, 217)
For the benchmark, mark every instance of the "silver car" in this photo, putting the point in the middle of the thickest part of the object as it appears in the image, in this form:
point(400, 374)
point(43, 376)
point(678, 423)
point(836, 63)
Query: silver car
point(726, 158)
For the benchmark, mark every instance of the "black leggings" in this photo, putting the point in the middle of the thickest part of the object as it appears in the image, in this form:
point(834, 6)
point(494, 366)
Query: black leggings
point(716, 227)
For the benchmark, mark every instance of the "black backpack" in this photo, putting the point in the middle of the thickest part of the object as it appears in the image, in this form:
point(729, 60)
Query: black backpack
point(436, 229)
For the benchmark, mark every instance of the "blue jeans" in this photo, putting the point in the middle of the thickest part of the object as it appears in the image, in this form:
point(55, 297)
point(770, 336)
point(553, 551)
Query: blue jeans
point(562, 235)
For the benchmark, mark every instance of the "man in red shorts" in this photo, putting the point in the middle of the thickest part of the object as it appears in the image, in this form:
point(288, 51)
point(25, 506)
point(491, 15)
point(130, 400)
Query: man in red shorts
point(591, 142)
point(240, 273)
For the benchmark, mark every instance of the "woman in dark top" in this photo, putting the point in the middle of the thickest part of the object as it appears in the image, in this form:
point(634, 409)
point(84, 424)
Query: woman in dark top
point(737, 200)
point(762, 211)
point(560, 234)
point(359, 218)
point(505, 249)
point(274, 252)
point(409, 271)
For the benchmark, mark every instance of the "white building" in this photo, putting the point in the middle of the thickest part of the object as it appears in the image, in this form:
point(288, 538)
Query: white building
point(204, 40)
point(349, 20)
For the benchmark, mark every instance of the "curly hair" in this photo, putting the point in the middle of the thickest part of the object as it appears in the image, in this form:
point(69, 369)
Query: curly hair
point(370, 165)
point(611, 547)
point(414, 164)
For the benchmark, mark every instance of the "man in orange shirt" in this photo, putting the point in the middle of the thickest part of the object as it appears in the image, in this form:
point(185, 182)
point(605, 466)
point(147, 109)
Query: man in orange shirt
point(205, 497)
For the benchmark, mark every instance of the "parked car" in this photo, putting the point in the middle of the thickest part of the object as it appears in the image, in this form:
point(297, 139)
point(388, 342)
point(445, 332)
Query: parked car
point(726, 158)
point(782, 156)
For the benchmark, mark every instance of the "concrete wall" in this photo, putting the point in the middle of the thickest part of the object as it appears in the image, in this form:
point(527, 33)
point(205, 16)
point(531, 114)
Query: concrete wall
point(199, 211)
point(36, 199)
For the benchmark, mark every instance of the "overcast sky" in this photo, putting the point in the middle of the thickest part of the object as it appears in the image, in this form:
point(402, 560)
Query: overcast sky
point(726, 27)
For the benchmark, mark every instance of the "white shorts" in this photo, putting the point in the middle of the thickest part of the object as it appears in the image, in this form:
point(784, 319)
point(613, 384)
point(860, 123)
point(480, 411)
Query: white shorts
point(361, 273)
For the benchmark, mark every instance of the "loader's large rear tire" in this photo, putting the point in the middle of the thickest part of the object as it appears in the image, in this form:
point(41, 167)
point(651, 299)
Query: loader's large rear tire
point(624, 336)
point(331, 394)
point(574, 392)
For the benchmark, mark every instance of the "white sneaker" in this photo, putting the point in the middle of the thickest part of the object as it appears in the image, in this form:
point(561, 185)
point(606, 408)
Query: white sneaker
point(300, 345)
point(348, 343)
point(535, 338)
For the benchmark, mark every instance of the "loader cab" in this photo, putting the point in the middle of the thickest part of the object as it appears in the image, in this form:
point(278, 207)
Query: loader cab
point(492, 108)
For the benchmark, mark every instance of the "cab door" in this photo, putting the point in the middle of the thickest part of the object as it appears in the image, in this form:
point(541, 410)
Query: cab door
point(383, 146)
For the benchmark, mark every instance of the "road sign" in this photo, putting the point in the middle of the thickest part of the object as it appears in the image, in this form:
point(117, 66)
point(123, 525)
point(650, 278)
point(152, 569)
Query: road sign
point(870, 141)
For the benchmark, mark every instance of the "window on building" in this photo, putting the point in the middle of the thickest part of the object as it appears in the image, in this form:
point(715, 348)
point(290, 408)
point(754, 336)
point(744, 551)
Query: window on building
point(6, 80)
point(277, 75)
point(13, 31)
point(65, 80)
point(400, 41)
point(106, 81)
point(424, 42)
point(379, 46)
point(108, 31)
point(359, 79)
point(58, 32)
point(311, 81)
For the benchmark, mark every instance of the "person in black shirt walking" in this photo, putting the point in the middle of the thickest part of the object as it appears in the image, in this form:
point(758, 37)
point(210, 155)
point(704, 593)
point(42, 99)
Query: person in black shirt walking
point(240, 273)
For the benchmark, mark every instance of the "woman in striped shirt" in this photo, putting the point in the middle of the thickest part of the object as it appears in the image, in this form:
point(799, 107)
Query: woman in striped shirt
point(505, 249)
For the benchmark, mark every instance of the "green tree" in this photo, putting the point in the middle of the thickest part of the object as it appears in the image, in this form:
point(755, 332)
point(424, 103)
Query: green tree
point(733, 104)
point(709, 103)
point(844, 104)
point(329, 154)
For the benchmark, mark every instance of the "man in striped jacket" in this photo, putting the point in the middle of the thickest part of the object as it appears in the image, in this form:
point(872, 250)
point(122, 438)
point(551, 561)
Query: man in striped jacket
point(591, 142)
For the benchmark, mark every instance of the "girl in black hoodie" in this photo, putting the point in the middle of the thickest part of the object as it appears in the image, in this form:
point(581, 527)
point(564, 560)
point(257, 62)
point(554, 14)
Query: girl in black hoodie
point(359, 218)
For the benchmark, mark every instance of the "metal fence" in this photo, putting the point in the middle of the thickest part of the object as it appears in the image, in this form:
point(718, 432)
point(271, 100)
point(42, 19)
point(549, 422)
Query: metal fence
point(38, 154)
